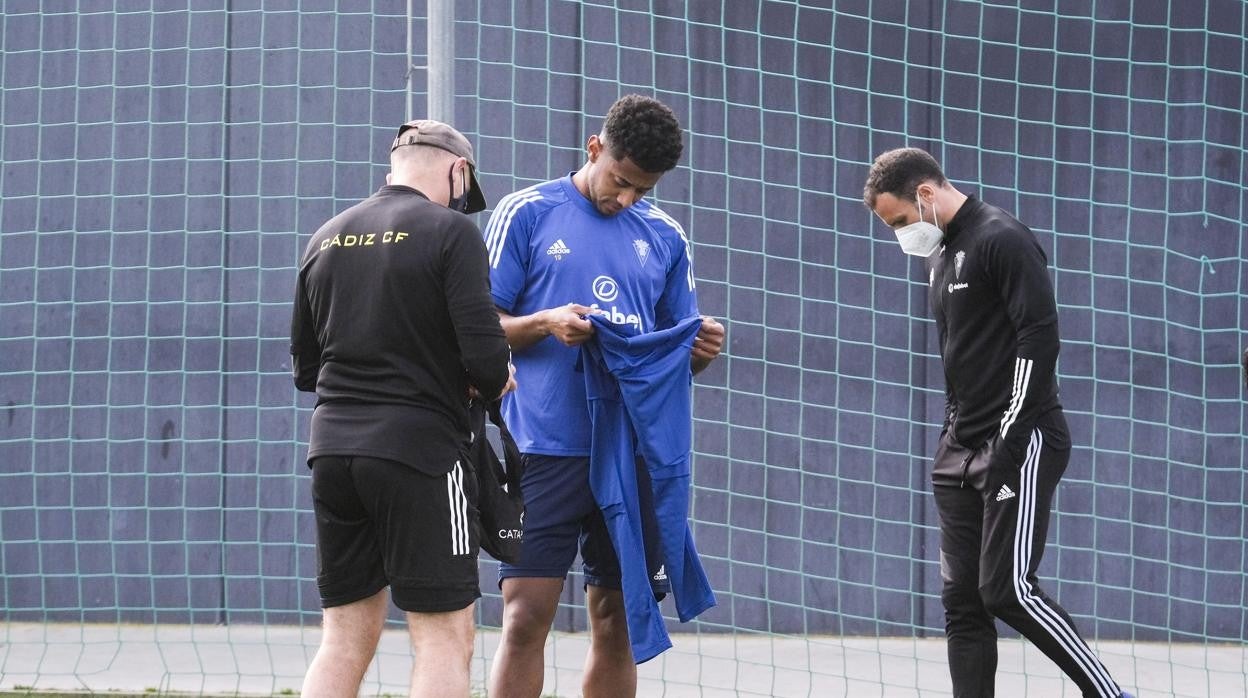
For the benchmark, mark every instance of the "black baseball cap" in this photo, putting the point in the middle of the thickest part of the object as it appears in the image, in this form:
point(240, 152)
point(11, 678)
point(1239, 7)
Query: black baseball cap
point(440, 135)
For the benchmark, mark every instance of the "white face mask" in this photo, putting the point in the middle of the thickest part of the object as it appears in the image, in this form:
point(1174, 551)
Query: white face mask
point(922, 238)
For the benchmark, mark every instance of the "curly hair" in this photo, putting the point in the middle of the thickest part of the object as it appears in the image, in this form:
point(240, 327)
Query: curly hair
point(900, 172)
point(644, 130)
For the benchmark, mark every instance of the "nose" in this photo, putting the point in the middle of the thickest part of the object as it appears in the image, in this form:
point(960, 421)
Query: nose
point(627, 197)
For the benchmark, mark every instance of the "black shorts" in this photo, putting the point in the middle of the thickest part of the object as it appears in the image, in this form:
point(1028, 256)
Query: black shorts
point(380, 523)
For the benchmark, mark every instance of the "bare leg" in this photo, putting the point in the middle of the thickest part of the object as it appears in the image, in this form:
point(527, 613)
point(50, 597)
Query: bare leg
point(442, 643)
point(348, 641)
point(610, 671)
point(529, 605)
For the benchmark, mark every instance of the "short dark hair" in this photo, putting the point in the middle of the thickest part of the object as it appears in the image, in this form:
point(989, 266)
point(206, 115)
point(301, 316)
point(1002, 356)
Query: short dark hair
point(900, 172)
point(644, 130)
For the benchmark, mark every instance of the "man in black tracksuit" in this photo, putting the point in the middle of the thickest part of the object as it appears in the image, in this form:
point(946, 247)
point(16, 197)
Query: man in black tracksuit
point(1004, 444)
point(393, 327)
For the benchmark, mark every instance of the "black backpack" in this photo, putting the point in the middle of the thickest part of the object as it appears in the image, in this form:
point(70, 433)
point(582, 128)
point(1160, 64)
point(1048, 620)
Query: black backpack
point(498, 486)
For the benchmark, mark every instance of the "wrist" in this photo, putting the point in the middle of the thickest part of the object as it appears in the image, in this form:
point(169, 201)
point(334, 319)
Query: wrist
point(544, 323)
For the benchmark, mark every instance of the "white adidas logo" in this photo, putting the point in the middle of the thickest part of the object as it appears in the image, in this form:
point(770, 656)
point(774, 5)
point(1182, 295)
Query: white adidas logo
point(558, 250)
point(1004, 493)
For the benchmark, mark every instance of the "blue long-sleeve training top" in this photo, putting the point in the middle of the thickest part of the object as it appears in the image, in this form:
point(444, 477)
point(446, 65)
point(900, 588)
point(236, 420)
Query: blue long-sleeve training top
point(638, 388)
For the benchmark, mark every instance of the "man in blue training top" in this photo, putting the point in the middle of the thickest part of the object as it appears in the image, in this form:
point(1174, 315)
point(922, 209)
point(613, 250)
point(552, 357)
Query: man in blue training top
point(558, 251)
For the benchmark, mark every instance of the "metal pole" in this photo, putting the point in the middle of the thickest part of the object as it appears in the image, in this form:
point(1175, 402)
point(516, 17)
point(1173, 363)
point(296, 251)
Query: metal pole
point(411, 67)
point(441, 64)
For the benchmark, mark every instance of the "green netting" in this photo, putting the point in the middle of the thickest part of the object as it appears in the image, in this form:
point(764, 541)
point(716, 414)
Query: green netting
point(163, 165)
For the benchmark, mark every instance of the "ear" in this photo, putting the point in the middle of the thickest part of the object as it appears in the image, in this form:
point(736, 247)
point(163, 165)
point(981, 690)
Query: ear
point(389, 176)
point(594, 147)
point(464, 173)
point(926, 192)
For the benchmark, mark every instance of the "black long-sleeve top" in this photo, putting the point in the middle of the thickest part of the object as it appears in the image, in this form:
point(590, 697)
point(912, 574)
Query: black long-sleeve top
point(996, 320)
point(392, 321)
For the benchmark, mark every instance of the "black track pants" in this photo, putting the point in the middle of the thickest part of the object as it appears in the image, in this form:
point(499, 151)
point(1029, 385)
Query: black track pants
point(992, 535)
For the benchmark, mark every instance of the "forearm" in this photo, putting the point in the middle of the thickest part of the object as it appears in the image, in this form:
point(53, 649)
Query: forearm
point(305, 372)
point(305, 351)
point(488, 367)
point(1033, 387)
point(699, 363)
point(524, 331)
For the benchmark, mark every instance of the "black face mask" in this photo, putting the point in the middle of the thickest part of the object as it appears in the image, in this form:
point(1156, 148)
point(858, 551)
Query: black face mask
point(457, 203)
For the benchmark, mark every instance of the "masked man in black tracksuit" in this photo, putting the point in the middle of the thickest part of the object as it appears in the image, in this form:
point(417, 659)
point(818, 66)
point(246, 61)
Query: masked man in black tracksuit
point(1004, 444)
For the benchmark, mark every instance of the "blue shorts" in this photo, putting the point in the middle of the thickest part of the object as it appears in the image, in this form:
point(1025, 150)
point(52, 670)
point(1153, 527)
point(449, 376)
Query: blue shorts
point(560, 518)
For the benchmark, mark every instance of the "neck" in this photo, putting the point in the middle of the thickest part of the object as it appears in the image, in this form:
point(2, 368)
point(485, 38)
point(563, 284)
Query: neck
point(948, 202)
point(428, 185)
point(580, 180)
